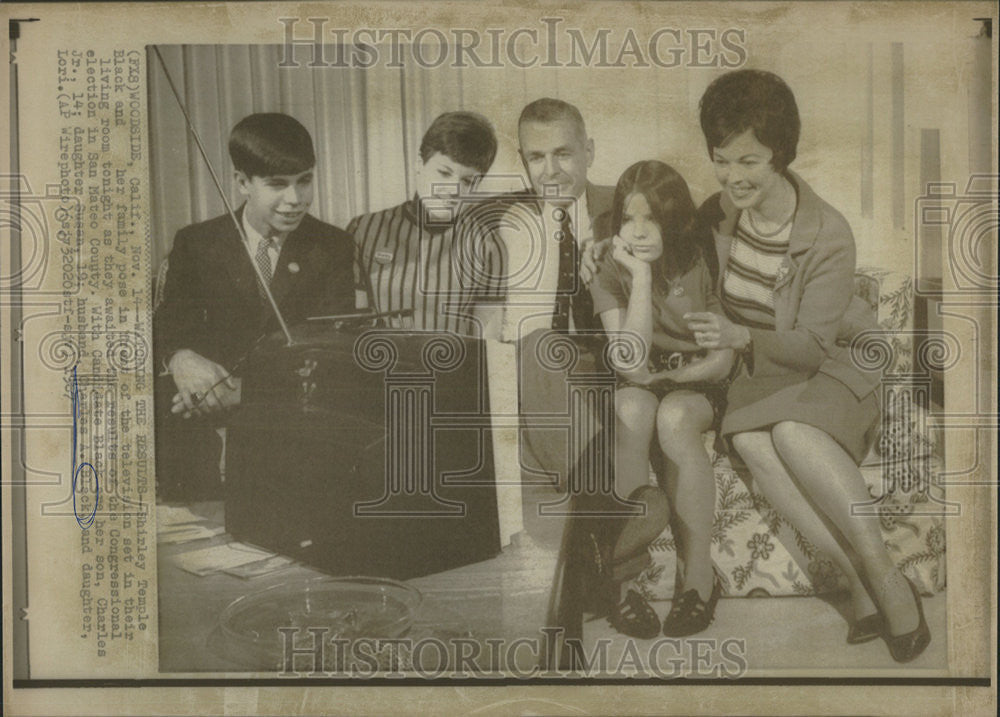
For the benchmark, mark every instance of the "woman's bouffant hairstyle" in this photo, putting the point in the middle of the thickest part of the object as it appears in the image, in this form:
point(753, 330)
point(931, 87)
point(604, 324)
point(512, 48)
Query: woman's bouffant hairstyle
point(752, 99)
point(672, 208)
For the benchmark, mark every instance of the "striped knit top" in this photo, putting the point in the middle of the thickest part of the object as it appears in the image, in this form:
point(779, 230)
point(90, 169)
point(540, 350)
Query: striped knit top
point(750, 274)
point(439, 270)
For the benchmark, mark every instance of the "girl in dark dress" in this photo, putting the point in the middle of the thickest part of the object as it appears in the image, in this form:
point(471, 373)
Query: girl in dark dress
point(670, 391)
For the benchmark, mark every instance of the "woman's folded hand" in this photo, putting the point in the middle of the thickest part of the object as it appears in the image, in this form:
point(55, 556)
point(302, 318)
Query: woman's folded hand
point(713, 331)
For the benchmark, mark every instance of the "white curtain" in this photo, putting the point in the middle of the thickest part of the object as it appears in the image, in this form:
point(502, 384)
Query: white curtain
point(219, 85)
point(865, 102)
point(367, 124)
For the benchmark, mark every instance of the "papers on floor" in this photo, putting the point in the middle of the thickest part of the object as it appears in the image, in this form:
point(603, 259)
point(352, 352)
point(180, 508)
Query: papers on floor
point(169, 515)
point(264, 567)
point(177, 524)
point(219, 557)
point(187, 533)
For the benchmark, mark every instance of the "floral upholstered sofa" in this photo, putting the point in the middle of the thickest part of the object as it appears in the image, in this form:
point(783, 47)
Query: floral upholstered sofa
point(757, 553)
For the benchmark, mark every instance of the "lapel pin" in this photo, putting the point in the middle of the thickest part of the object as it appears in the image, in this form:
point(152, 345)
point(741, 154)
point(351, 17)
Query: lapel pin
point(293, 268)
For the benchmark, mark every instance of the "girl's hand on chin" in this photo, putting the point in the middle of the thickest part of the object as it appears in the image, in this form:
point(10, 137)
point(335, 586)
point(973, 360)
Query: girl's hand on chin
point(622, 253)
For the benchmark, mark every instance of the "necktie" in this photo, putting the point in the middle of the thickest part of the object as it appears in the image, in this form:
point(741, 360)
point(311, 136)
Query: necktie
point(583, 302)
point(567, 271)
point(571, 295)
point(263, 260)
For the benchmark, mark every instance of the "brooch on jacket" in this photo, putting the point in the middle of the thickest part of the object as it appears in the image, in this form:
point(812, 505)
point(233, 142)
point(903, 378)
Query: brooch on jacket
point(783, 271)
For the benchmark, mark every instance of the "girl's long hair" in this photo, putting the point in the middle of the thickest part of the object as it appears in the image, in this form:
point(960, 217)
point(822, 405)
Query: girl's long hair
point(673, 210)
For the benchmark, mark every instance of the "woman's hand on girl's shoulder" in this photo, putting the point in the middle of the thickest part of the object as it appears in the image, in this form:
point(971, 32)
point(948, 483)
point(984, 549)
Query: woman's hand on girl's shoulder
point(590, 259)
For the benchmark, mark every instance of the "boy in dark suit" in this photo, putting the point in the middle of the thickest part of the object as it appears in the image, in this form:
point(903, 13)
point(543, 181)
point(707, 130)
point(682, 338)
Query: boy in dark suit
point(214, 307)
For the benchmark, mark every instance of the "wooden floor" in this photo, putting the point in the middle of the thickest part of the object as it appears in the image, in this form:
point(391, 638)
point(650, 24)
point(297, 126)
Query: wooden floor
point(506, 597)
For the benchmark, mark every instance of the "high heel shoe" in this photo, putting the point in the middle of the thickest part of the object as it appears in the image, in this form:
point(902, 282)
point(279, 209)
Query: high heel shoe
point(864, 630)
point(906, 647)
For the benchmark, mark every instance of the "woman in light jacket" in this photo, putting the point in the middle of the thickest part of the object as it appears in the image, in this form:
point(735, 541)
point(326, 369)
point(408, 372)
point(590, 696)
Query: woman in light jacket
point(801, 415)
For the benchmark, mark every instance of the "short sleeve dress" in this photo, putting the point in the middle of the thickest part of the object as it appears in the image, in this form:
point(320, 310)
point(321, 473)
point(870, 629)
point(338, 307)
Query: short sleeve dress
point(673, 344)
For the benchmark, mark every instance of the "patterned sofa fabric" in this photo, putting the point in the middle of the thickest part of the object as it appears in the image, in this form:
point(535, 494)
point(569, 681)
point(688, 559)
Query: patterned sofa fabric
point(757, 553)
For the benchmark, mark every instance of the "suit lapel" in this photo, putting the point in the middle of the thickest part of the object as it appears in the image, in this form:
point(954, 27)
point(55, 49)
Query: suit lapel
point(805, 230)
point(293, 262)
point(599, 199)
point(723, 245)
point(232, 254)
point(805, 227)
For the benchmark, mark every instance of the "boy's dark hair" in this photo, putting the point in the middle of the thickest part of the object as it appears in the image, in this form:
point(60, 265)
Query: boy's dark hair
point(547, 109)
point(752, 99)
point(666, 192)
point(270, 143)
point(465, 137)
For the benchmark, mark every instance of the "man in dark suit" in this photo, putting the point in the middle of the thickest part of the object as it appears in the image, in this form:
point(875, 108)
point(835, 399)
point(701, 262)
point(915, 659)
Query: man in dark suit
point(556, 153)
point(214, 307)
point(543, 240)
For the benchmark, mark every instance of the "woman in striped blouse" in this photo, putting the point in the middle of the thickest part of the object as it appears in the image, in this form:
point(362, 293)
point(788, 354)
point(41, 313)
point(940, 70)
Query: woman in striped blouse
point(800, 414)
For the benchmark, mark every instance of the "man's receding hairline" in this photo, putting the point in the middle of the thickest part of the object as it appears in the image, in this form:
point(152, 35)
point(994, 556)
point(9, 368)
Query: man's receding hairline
point(579, 130)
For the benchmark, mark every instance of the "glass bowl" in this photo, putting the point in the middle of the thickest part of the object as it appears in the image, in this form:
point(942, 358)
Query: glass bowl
point(346, 607)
